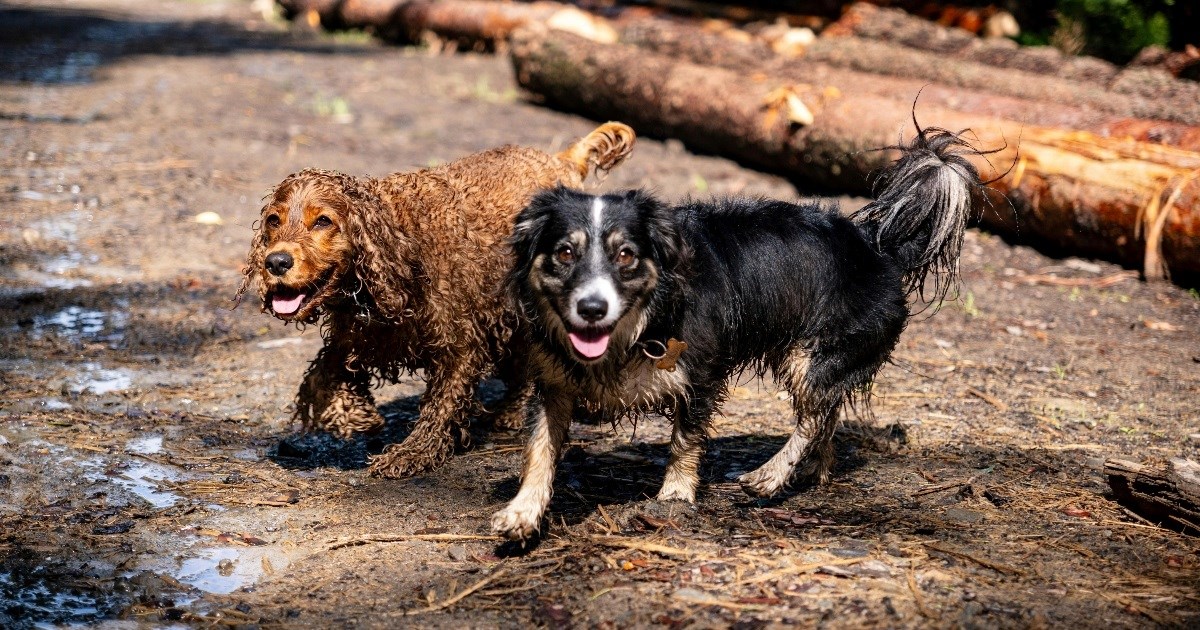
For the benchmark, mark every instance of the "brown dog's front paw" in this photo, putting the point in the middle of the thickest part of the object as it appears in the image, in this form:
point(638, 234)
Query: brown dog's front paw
point(510, 420)
point(415, 455)
point(342, 415)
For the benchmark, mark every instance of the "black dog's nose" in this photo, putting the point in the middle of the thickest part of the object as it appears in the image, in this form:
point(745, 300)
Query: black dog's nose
point(279, 263)
point(593, 309)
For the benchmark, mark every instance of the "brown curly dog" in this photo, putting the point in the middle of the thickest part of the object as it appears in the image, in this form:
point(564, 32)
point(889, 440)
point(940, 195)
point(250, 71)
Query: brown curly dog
point(404, 273)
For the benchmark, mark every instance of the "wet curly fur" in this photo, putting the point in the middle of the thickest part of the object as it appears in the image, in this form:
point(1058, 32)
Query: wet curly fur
point(401, 273)
point(815, 298)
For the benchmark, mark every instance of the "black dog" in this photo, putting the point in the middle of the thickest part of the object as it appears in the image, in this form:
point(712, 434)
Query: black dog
point(611, 284)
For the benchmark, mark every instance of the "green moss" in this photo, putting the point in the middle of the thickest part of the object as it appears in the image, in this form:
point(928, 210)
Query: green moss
point(1116, 29)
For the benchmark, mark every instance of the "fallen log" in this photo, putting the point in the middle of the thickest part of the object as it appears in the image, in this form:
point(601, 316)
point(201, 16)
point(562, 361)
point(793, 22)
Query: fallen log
point(1169, 497)
point(1080, 192)
point(476, 24)
point(879, 57)
point(1150, 87)
point(837, 62)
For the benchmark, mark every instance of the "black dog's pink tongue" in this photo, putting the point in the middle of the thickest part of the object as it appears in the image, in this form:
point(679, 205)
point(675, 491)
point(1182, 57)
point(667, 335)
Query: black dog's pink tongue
point(287, 305)
point(589, 345)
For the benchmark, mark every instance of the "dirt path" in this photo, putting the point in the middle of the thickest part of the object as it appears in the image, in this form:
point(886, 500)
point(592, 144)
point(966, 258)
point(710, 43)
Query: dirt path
point(147, 470)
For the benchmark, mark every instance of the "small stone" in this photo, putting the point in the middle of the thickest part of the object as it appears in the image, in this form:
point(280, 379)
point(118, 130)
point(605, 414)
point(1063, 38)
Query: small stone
point(871, 568)
point(1194, 438)
point(962, 515)
point(457, 553)
point(835, 571)
point(1013, 330)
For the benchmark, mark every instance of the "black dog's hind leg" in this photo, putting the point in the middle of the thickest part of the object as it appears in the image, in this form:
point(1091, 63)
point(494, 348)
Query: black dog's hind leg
point(818, 390)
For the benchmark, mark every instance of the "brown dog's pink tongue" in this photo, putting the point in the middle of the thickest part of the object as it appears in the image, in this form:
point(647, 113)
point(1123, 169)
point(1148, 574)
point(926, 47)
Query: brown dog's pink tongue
point(591, 346)
point(287, 306)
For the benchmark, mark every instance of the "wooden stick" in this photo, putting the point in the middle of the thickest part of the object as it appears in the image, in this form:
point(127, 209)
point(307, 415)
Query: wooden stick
point(391, 538)
point(983, 562)
point(989, 399)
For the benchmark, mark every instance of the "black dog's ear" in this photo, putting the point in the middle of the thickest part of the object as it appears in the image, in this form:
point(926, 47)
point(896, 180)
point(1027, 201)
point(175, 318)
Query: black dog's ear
point(662, 228)
point(527, 232)
point(531, 223)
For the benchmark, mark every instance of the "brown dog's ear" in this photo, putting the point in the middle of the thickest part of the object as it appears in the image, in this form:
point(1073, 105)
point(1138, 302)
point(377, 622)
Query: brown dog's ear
point(254, 259)
point(381, 253)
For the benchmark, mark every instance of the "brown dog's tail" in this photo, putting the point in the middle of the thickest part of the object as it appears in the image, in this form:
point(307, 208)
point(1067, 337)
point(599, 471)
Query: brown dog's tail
point(601, 150)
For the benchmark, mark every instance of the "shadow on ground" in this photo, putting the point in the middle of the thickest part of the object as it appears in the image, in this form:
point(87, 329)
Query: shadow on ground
point(69, 46)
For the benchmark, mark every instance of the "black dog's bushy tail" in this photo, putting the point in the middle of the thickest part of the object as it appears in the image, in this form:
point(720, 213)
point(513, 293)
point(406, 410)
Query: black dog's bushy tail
point(921, 209)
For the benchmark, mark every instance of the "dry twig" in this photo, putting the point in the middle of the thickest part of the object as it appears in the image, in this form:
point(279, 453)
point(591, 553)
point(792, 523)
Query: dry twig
point(391, 538)
point(454, 599)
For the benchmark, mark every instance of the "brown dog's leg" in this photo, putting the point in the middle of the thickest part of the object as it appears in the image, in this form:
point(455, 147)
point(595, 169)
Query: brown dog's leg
point(332, 398)
point(446, 404)
point(513, 410)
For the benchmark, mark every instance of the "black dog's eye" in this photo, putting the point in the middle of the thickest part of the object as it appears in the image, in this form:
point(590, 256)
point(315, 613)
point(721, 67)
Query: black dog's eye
point(273, 221)
point(565, 255)
point(625, 257)
point(322, 222)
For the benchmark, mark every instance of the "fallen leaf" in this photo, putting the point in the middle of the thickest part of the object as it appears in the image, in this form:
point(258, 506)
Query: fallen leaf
point(208, 218)
point(1158, 325)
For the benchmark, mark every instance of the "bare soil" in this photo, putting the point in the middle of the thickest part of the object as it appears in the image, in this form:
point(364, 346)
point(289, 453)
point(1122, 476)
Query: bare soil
point(148, 472)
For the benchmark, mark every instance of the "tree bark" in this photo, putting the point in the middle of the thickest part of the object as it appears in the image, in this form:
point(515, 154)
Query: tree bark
point(1169, 497)
point(1078, 191)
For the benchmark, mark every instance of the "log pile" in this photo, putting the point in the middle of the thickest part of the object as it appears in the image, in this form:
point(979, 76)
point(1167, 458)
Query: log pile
point(1105, 161)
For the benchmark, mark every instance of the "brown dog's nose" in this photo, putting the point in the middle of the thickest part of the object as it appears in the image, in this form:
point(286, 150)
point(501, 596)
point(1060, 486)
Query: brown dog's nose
point(279, 263)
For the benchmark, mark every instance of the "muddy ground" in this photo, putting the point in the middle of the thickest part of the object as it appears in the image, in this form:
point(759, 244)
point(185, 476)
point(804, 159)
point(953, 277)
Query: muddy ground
point(148, 472)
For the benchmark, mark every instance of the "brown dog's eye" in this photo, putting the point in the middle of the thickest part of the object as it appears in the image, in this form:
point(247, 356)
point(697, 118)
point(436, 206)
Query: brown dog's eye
point(565, 255)
point(322, 222)
point(625, 257)
point(273, 221)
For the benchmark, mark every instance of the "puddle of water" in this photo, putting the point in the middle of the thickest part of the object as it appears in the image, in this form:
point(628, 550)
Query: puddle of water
point(146, 445)
point(97, 380)
point(53, 404)
point(248, 455)
point(224, 570)
point(217, 570)
point(63, 228)
point(139, 478)
point(77, 321)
